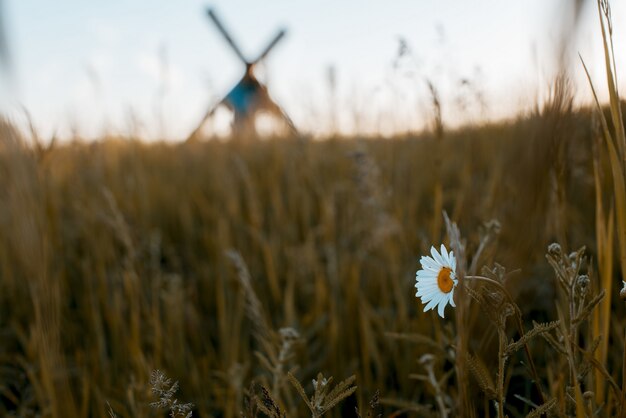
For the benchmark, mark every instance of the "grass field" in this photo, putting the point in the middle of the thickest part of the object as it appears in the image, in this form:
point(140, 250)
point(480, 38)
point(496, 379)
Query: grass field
point(252, 272)
point(119, 257)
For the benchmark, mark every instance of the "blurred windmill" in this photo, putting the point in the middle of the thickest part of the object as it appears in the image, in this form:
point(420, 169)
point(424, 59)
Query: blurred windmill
point(249, 97)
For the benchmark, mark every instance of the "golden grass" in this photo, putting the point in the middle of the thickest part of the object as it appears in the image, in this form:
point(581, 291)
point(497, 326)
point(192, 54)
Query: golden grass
point(615, 140)
point(114, 259)
point(246, 271)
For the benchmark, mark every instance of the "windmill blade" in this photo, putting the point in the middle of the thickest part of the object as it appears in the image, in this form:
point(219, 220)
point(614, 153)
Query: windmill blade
point(226, 36)
point(271, 45)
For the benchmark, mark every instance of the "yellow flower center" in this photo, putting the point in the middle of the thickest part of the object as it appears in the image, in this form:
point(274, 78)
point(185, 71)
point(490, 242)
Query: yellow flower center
point(444, 281)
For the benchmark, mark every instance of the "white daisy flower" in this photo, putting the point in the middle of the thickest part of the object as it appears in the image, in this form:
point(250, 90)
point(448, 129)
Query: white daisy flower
point(436, 281)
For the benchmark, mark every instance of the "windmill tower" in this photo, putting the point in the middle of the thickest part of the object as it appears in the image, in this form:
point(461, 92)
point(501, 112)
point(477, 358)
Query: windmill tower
point(249, 96)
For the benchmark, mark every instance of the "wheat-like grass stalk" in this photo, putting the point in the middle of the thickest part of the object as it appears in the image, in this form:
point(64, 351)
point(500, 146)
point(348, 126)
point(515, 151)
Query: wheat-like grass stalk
point(604, 242)
point(615, 141)
point(616, 148)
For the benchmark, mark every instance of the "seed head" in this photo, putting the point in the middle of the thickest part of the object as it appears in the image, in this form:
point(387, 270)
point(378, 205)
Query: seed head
point(583, 283)
point(554, 249)
point(427, 359)
point(289, 333)
point(507, 310)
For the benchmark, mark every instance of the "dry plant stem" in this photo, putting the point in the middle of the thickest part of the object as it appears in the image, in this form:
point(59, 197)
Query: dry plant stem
point(617, 391)
point(573, 333)
point(438, 395)
point(501, 365)
point(569, 348)
point(623, 403)
point(461, 349)
point(604, 240)
point(520, 329)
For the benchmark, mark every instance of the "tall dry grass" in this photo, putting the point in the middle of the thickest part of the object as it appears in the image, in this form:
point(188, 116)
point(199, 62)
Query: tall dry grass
point(117, 259)
point(252, 273)
point(614, 147)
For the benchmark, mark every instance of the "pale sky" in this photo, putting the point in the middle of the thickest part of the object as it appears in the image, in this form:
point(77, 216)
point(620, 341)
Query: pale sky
point(98, 66)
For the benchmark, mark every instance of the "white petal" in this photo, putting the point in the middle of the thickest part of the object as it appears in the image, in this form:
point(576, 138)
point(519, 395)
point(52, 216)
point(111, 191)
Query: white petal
point(444, 255)
point(428, 262)
point(424, 289)
point(426, 273)
point(422, 282)
point(452, 298)
point(420, 289)
point(452, 261)
point(425, 294)
point(429, 285)
point(436, 256)
point(432, 303)
point(430, 268)
point(442, 307)
point(431, 271)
